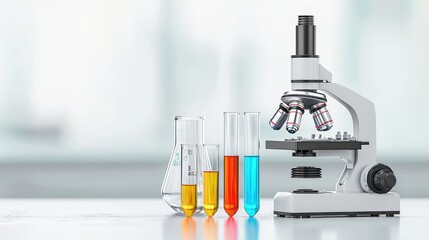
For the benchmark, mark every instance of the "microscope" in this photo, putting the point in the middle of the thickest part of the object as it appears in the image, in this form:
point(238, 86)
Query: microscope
point(363, 188)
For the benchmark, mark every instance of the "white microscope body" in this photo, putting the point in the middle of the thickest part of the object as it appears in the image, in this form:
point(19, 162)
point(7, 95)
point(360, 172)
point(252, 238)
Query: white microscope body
point(363, 187)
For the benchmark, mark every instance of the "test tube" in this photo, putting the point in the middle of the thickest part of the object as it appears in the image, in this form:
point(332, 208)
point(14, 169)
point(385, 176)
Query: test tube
point(211, 179)
point(230, 201)
point(251, 162)
point(189, 178)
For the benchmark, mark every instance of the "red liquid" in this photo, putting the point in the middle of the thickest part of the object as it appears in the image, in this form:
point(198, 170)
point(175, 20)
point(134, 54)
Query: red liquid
point(230, 200)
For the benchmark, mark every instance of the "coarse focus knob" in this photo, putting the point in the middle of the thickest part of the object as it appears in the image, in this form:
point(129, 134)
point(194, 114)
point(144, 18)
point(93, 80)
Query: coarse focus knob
point(384, 179)
point(378, 178)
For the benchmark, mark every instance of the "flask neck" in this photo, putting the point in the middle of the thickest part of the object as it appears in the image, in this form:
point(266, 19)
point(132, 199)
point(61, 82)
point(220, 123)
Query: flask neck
point(189, 130)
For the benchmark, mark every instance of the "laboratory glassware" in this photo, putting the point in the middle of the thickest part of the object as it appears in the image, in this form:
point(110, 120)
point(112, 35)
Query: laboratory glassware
point(251, 162)
point(187, 130)
point(210, 179)
point(231, 163)
point(189, 178)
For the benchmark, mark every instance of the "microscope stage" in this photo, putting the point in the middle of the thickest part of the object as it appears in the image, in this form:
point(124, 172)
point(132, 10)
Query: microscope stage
point(315, 144)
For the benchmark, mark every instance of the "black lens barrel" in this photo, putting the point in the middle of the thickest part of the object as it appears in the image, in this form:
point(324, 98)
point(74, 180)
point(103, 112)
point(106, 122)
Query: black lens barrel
point(305, 37)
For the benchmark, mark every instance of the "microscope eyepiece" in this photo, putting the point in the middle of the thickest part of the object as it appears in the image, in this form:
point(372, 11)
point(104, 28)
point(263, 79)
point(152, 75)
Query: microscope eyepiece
point(322, 118)
point(305, 37)
point(305, 20)
point(296, 109)
point(279, 118)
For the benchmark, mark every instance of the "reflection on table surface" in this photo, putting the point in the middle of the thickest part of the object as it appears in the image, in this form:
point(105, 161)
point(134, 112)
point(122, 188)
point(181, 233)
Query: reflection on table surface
point(208, 228)
point(270, 227)
point(267, 226)
point(153, 219)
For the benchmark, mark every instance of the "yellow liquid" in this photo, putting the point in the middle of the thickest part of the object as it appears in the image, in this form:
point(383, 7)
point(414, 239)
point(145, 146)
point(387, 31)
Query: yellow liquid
point(210, 192)
point(189, 199)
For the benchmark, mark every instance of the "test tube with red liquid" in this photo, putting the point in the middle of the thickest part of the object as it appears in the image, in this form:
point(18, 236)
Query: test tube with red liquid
point(231, 163)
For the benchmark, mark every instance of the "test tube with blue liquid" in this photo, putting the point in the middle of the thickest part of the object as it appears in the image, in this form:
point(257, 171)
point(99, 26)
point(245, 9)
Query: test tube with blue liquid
point(251, 162)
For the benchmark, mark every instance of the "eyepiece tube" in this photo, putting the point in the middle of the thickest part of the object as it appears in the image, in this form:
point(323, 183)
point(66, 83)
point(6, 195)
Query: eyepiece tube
point(280, 117)
point(305, 37)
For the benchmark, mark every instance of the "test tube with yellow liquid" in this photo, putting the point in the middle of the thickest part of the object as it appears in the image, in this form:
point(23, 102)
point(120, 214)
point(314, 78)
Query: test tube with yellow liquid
point(211, 179)
point(189, 178)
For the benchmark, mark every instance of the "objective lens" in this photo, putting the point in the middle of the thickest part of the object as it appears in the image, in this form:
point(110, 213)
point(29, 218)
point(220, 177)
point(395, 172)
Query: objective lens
point(279, 117)
point(296, 109)
point(322, 118)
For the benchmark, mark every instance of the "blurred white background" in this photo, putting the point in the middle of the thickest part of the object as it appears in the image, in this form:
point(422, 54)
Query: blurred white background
point(88, 89)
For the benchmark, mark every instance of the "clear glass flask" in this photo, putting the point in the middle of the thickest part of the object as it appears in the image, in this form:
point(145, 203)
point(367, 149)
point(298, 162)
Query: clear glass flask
point(211, 179)
point(190, 156)
point(231, 163)
point(187, 130)
point(251, 162)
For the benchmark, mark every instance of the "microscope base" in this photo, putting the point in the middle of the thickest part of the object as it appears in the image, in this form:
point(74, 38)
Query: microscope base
point(324, 204)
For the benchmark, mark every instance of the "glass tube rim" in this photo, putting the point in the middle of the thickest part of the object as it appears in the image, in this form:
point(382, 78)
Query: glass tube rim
point(189, 117)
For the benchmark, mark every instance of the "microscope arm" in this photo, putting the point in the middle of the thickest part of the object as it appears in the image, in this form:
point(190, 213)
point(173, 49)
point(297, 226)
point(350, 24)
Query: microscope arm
point(361, 109)
point(363, 114)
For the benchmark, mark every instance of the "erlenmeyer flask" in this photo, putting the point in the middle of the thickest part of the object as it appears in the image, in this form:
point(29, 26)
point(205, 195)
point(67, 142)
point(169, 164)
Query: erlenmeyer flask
point(187, 130)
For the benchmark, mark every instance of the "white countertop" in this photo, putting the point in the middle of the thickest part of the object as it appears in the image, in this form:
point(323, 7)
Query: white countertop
point(152, 219)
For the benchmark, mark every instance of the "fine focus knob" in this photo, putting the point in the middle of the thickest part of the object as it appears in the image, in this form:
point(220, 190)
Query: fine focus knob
point(383, 179)
point(380, 178)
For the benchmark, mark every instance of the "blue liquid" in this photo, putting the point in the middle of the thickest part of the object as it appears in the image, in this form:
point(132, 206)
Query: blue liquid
point(251, 184)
